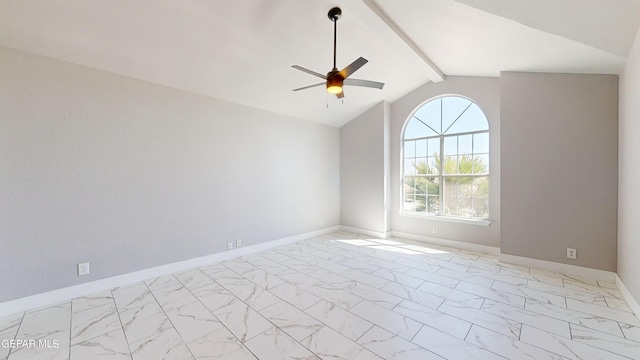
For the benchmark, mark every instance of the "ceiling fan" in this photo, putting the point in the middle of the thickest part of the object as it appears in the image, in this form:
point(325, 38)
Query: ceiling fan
point(336, 79)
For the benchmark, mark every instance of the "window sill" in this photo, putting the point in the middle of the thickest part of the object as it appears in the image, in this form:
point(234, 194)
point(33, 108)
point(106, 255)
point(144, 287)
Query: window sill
point(478, 222)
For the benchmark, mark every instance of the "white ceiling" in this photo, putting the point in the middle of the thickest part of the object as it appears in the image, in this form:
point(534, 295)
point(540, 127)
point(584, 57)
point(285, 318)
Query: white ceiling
point(242, 51)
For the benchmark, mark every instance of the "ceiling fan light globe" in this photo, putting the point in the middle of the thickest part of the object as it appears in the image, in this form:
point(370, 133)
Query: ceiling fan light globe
point(334, 84)
point(334, 89)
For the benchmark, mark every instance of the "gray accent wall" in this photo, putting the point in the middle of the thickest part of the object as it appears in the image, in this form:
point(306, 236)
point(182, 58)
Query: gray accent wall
point(364, 163)
point(486, 93)
point(559, 167)
point(130, 175)
point(629, 173)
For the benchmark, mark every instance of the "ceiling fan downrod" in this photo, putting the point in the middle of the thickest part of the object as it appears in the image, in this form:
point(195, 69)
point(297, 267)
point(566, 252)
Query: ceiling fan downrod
point(334, 14)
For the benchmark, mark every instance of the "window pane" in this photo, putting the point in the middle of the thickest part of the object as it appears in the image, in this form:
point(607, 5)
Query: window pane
point(481, 143)
point(465, 186)
point(481, 164)
point(472, 120)
point(421, 148)
point(459, 200)
point(451, 145)
point(465, 164)
point(433, 186)
point(415, 194)
point(481, 197)
point(407, 205)
point(420, 186)
point(481, 208)
point(481, 187)
point(452, 108)
point(416, 129)
point(409, 168)
point(409, 195)
point(450, 196)
point(434, 147)
point(409, 149)
point(450, 166)
point(433, 204)
point(450, 187)
point(450, 206)
point(434, 165)
point(465, 144)
point(420, 164)
point(430, 114)
point(465, 207)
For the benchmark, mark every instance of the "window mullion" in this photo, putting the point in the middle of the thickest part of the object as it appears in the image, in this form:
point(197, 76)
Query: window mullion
point(441, 177)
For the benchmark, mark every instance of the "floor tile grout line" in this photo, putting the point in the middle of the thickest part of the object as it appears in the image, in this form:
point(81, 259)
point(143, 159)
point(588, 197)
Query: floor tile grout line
point(71, 325)
point(15, 336)
point(171, 322)
point(124, 333)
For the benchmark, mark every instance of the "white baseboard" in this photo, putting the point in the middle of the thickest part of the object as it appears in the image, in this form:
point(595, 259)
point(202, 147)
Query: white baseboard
point(67, 293)
point(375, 234)
point(491, 250)
point(633, 303)
point(595, 274)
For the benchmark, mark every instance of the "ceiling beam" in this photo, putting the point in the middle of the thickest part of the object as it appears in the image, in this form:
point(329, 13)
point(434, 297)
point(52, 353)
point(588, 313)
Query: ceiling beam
point(373, 16)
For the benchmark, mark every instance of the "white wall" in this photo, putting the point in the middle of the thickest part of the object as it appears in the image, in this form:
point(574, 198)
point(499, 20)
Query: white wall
point(629, 173)
point(486, 93)
point(363, 168)
point(559, 167)
point(129, 175)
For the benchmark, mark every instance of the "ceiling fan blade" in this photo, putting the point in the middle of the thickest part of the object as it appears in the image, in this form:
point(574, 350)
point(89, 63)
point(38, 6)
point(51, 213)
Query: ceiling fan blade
point(309, 71)
point(310, 86)
point(365, 83)
point(353, 67)
point(340, 95)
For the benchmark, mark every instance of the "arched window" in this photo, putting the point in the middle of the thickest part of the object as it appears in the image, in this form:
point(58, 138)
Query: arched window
point(445, 168)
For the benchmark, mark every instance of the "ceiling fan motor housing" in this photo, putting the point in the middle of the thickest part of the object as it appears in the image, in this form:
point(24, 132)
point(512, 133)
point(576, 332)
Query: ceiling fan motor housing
point(334, 82)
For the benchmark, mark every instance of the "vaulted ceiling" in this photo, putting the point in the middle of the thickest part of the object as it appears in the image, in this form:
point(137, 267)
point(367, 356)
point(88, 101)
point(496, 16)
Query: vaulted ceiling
point(242, 51)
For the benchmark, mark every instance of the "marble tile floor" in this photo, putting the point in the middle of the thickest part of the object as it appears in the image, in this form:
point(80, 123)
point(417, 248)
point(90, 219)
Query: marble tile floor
point(338, 296)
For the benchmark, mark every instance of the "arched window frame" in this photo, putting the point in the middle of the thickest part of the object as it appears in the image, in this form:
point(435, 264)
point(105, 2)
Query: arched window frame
point(442, 180)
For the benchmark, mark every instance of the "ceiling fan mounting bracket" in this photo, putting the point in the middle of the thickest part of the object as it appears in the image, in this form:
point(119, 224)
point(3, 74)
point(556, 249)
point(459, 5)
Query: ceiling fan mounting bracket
point(334, 14)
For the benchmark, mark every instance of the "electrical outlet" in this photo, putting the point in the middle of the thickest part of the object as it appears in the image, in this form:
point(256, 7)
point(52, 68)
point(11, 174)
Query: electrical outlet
point(321, 222)
point(83, 269)
point(229, 245)
point(572, 253)
point(238, 242)
point(434, 229)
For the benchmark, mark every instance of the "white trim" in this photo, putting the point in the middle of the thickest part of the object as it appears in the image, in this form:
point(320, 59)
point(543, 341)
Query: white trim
point(375, 18)
point(375, 234)
point(633, 303)
point(595, 274)
point(491, 250)
point(67, 293)
point(459, 220)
